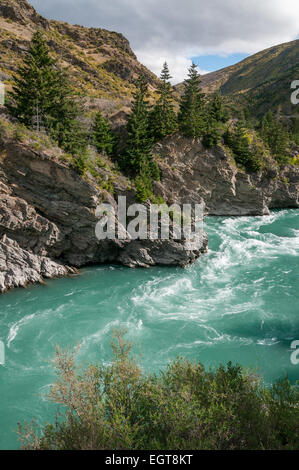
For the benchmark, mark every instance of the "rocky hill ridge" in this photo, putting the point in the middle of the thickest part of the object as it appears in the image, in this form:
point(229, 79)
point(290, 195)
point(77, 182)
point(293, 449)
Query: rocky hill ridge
point(101, 63)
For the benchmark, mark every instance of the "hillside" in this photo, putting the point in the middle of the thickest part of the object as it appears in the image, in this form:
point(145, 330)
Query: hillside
point(262, 81)
point(103, 66)
point(101, 63)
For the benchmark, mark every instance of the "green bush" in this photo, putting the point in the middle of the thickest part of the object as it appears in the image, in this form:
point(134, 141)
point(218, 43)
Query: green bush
point(143, 185)
point(251, 159)
point(80, 163)
point(184, 407)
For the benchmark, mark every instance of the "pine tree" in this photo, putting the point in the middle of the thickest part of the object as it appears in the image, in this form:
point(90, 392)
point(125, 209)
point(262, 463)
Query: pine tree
point(162, 119)
point(42, 98)
point(275, 136)
point(63, 123)
point(103, 136)
point(216, 115)
point(137, 158)
point(32, 91)
point(241, 144)
point(192, 108)
point(212, 134)
point(250, 158)
point(139, 143)
point(248, 118)
point(267, 127)
point(216, 108)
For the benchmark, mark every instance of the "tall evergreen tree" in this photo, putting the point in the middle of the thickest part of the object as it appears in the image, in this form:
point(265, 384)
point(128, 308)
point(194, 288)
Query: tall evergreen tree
point(102, 134)
point(63, 123)
point(137, 158)
point(42, 98)
point(241, 144)
point(192, 108)
point(212, 133)
point(139, 143)
point(248, 118)
point(275, 134)
point(33, 90)
point(162, 119)
point(216, 114)
point(216, 108)
point(237, 140)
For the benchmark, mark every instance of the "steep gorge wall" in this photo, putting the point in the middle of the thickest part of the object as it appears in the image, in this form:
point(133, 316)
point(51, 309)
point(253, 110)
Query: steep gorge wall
point(48, 220)
point(47, 211)
point(191, 173)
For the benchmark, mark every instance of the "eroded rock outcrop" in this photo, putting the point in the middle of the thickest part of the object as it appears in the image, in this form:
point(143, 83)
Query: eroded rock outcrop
point(191, 173)
point(48, 212)
point(19, 267)
point(48, 219)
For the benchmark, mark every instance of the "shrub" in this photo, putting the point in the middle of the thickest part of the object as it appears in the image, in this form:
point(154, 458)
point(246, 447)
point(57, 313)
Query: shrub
point(184, 407)
point(80, 163)
point(250, 157)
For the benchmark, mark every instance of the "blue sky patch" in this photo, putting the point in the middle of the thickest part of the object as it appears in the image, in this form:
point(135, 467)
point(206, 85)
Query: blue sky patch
point(211, 63)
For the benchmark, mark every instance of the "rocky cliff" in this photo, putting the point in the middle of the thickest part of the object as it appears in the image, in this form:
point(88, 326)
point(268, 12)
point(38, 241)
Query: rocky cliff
point(191, 173)
point(48, 220)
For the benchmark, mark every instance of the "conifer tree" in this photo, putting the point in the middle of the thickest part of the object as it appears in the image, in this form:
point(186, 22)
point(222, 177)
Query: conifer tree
point(102, 134)
point(216, 108)
point(267, 127)
point(275, 135)
point(248, 118)
point(162, 119)
point(212, 134)
point(33, 90)
point(139, 143)
point(137, 158)
point(216, 114)
point(42, 98)
point(241, 144)
point(62, 119)
point(237, 140)
point(192, 108)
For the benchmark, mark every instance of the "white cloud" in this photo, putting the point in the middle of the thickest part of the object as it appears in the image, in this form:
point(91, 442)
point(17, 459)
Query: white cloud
point(175, 30)
point(178, 64)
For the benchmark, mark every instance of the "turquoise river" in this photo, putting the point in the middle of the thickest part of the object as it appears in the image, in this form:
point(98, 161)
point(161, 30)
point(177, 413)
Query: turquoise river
point(239, 302)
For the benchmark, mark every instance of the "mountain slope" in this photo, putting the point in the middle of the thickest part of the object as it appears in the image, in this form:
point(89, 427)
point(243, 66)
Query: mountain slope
point(262, 81)
point(101, 64)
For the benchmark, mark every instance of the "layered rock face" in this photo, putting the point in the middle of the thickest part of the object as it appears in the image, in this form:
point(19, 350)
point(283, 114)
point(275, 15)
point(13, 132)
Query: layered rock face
point(191, 173)
point(48, 220)
point(18, 267)
point(48, 212)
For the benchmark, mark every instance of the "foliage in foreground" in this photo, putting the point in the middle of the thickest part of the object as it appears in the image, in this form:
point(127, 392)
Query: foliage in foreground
point(184, 407)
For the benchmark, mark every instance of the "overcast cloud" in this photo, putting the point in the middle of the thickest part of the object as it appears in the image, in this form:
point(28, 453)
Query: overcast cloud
point(175, 30)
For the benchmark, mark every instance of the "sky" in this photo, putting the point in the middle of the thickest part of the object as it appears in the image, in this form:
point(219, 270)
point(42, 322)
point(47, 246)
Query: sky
point(212, 33)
